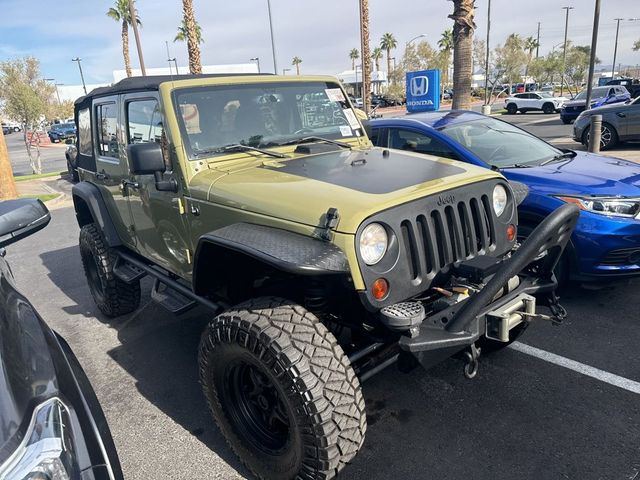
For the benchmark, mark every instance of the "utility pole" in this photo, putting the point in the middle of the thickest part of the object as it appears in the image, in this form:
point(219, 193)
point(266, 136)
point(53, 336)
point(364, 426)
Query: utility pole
point(487, 111)
point(592, 59)
point(134, 24)
point(79, 60)
point(257, 60)
point(273, 43)
point(538, 41)
point(564, 50)
point(615, 48)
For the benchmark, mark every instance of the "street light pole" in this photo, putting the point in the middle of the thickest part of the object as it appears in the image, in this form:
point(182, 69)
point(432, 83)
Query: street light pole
point(615, 47)
point(257, 60)
point(55, 85)
point(285, 70)
point(273, 43)
point(136, 34)
point(592, 59)
point(538, 41)
point(486, 58)
point(414, 39)
point(564, 50)
point(79, 60)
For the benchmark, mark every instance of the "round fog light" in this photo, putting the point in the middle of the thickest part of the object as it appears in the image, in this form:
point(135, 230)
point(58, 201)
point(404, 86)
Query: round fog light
point(380, 288)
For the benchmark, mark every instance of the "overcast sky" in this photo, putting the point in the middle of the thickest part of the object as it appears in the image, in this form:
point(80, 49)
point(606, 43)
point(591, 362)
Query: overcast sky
point(321, 32)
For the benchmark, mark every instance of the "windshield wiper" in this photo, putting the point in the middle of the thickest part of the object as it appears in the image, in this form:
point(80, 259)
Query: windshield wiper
point(516, 165)
point(560, 156)
point(316, 139)
point(236, 147)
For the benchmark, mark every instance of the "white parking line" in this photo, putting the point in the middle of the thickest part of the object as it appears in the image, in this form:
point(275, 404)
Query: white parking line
point(606, 377)
point(540, 120)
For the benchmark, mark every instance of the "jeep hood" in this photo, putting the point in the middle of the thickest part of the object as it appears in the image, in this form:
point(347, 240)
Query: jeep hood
point(358, 183)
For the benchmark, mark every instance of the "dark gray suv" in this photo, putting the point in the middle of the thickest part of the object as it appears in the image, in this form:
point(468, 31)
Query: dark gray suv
point(620, 122)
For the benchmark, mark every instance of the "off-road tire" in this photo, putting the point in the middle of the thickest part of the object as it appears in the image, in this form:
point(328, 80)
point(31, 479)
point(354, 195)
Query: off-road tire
point(317, 388)
point(512, 109)
point(548, 108)
point(112, 296)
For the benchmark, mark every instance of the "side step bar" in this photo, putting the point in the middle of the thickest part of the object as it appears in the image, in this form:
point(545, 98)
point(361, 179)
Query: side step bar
point(175, 296)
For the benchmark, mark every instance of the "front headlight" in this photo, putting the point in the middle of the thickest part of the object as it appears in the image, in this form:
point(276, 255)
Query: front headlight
point(617, 207)
point(500, 199)
point(373, 243)
point(48, 450)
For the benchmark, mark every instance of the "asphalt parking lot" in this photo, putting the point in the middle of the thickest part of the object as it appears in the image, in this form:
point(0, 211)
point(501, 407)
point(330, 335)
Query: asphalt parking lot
point(53, 159)
point(563, 404)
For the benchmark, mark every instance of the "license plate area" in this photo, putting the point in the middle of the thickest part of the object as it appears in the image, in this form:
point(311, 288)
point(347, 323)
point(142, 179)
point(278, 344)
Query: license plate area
point(500, 321)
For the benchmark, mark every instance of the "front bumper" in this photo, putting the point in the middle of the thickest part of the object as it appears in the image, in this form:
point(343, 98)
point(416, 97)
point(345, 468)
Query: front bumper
point(460, 325)
point(570, 115)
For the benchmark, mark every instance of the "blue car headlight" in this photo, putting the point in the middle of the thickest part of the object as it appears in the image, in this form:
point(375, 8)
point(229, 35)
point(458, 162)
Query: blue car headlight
point(612, 206)
point(48, 449)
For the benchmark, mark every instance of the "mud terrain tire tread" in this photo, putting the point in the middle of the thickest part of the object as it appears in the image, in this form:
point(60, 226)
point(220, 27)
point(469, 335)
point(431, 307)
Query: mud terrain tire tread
point(311, 367)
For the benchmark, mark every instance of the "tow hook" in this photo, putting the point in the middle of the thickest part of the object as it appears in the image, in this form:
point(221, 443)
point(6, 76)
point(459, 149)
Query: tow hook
point(472, 365)
point(558, 312)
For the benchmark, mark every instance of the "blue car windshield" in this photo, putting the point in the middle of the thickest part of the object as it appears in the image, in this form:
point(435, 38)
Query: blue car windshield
point(500, 144)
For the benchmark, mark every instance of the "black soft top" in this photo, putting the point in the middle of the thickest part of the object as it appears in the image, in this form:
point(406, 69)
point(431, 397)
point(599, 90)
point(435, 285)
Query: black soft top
point(149, 83)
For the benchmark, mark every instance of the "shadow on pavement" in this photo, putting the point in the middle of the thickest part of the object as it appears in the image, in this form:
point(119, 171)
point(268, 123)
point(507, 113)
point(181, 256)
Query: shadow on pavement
point(158, 349)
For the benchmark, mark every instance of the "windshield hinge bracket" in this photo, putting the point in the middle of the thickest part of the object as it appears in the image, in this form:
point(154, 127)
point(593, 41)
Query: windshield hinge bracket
point(330, 222)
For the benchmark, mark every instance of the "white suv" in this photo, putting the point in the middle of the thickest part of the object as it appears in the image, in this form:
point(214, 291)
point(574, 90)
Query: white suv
point(524, 102)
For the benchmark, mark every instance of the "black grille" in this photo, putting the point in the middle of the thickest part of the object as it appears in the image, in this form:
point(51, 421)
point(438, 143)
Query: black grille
point(446, 235)
point(623, 256)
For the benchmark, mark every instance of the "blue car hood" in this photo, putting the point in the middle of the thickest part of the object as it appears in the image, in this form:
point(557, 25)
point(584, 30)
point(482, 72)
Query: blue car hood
point(585, 174)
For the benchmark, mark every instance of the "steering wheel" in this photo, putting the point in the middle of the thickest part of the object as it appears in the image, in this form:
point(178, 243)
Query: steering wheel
point(303, 130)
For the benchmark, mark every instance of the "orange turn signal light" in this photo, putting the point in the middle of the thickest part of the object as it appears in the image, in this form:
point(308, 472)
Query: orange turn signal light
point(380, 288)
point(511, 232)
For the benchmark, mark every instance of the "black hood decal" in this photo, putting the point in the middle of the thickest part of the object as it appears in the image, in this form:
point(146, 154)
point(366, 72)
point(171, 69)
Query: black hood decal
point(375, 171)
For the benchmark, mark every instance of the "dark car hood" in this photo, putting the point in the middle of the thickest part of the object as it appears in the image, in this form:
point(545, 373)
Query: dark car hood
point(585, 174)
point(26, 368)
point(581, 103)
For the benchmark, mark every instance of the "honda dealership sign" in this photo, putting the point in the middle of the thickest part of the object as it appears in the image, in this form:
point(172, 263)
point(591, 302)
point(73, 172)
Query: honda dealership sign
point(423, 91)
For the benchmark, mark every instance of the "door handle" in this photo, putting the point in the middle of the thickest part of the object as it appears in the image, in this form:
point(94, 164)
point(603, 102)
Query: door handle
point(621, 115)
point(102, 176)
point(125, 184)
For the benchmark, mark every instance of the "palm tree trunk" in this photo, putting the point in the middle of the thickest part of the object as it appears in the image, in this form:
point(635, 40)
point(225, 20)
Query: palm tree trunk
point(366, 56)
point(388, 66)
point(297, 69)
point(463, 13)
point(7, 183)
point(125, 48)
point(195, 62)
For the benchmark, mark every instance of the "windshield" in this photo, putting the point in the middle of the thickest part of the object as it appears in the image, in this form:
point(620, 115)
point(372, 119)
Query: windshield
point(62, 126)
point(500, 144)
point(545, 95)
point(595, 93)
point(262, 115)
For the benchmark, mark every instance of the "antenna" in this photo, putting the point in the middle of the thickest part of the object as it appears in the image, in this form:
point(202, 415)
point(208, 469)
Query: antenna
point(166, 42)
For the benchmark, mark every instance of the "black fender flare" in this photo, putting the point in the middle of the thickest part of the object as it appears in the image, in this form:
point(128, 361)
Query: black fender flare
point(281, 249)
point(90, 208)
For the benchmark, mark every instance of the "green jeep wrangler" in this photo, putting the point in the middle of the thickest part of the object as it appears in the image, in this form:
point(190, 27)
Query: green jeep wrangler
point(324, 260)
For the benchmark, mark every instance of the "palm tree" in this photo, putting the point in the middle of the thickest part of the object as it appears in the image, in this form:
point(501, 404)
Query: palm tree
point(354, 55)
point(181, 36)
point(297, 61)
point(388, 42)
point(530, 44)
point(445, 44)
point(120, 13)
point(193, 38)
point(463, 27)
point(376, 55)
point(366, 55)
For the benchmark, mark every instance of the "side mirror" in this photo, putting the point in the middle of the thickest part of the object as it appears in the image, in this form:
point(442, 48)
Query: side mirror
point(69, 141)
point(145, 158)
point(21, 218)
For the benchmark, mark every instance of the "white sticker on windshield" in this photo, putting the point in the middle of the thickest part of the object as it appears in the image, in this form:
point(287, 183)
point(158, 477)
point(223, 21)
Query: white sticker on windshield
point(351, 118)
point(335, 94)
point(345, 131)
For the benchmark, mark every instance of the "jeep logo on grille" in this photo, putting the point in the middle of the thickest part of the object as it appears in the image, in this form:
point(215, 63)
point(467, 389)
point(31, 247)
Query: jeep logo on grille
point(446, 200)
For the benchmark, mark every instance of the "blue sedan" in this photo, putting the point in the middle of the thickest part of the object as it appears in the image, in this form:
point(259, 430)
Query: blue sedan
point(606, 241)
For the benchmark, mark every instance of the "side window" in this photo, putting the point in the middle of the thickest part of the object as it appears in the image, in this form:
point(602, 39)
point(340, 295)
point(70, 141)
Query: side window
point(85, 142)
point(106, 118)
point(417, 142)
point(144, 121)
point(374, 136)
point(611, 92)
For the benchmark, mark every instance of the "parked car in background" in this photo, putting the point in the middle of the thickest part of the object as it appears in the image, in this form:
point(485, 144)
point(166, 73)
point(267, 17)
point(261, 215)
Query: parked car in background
point(533, 101)
point(620, 122)
point(599, 96)
point(6, 130)
point(51, 424)
point(61, 131)
point(631, 84)
point(606, 241)
point(12, 126)
point(383, 101)
point(447, 94)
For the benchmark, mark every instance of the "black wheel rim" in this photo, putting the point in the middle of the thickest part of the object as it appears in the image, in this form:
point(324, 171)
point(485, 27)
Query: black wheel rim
point(257, 408)
point(605, 137)
point(95, 281)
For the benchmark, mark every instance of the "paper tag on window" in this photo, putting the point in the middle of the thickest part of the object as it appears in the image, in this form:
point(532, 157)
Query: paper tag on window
point(335, 94)
point(345, 131)
point(351, 118)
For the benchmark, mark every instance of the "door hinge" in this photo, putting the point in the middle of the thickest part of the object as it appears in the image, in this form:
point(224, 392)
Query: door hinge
point(181, 207)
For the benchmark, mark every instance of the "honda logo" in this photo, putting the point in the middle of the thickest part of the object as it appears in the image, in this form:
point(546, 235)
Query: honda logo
point(419, 86)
